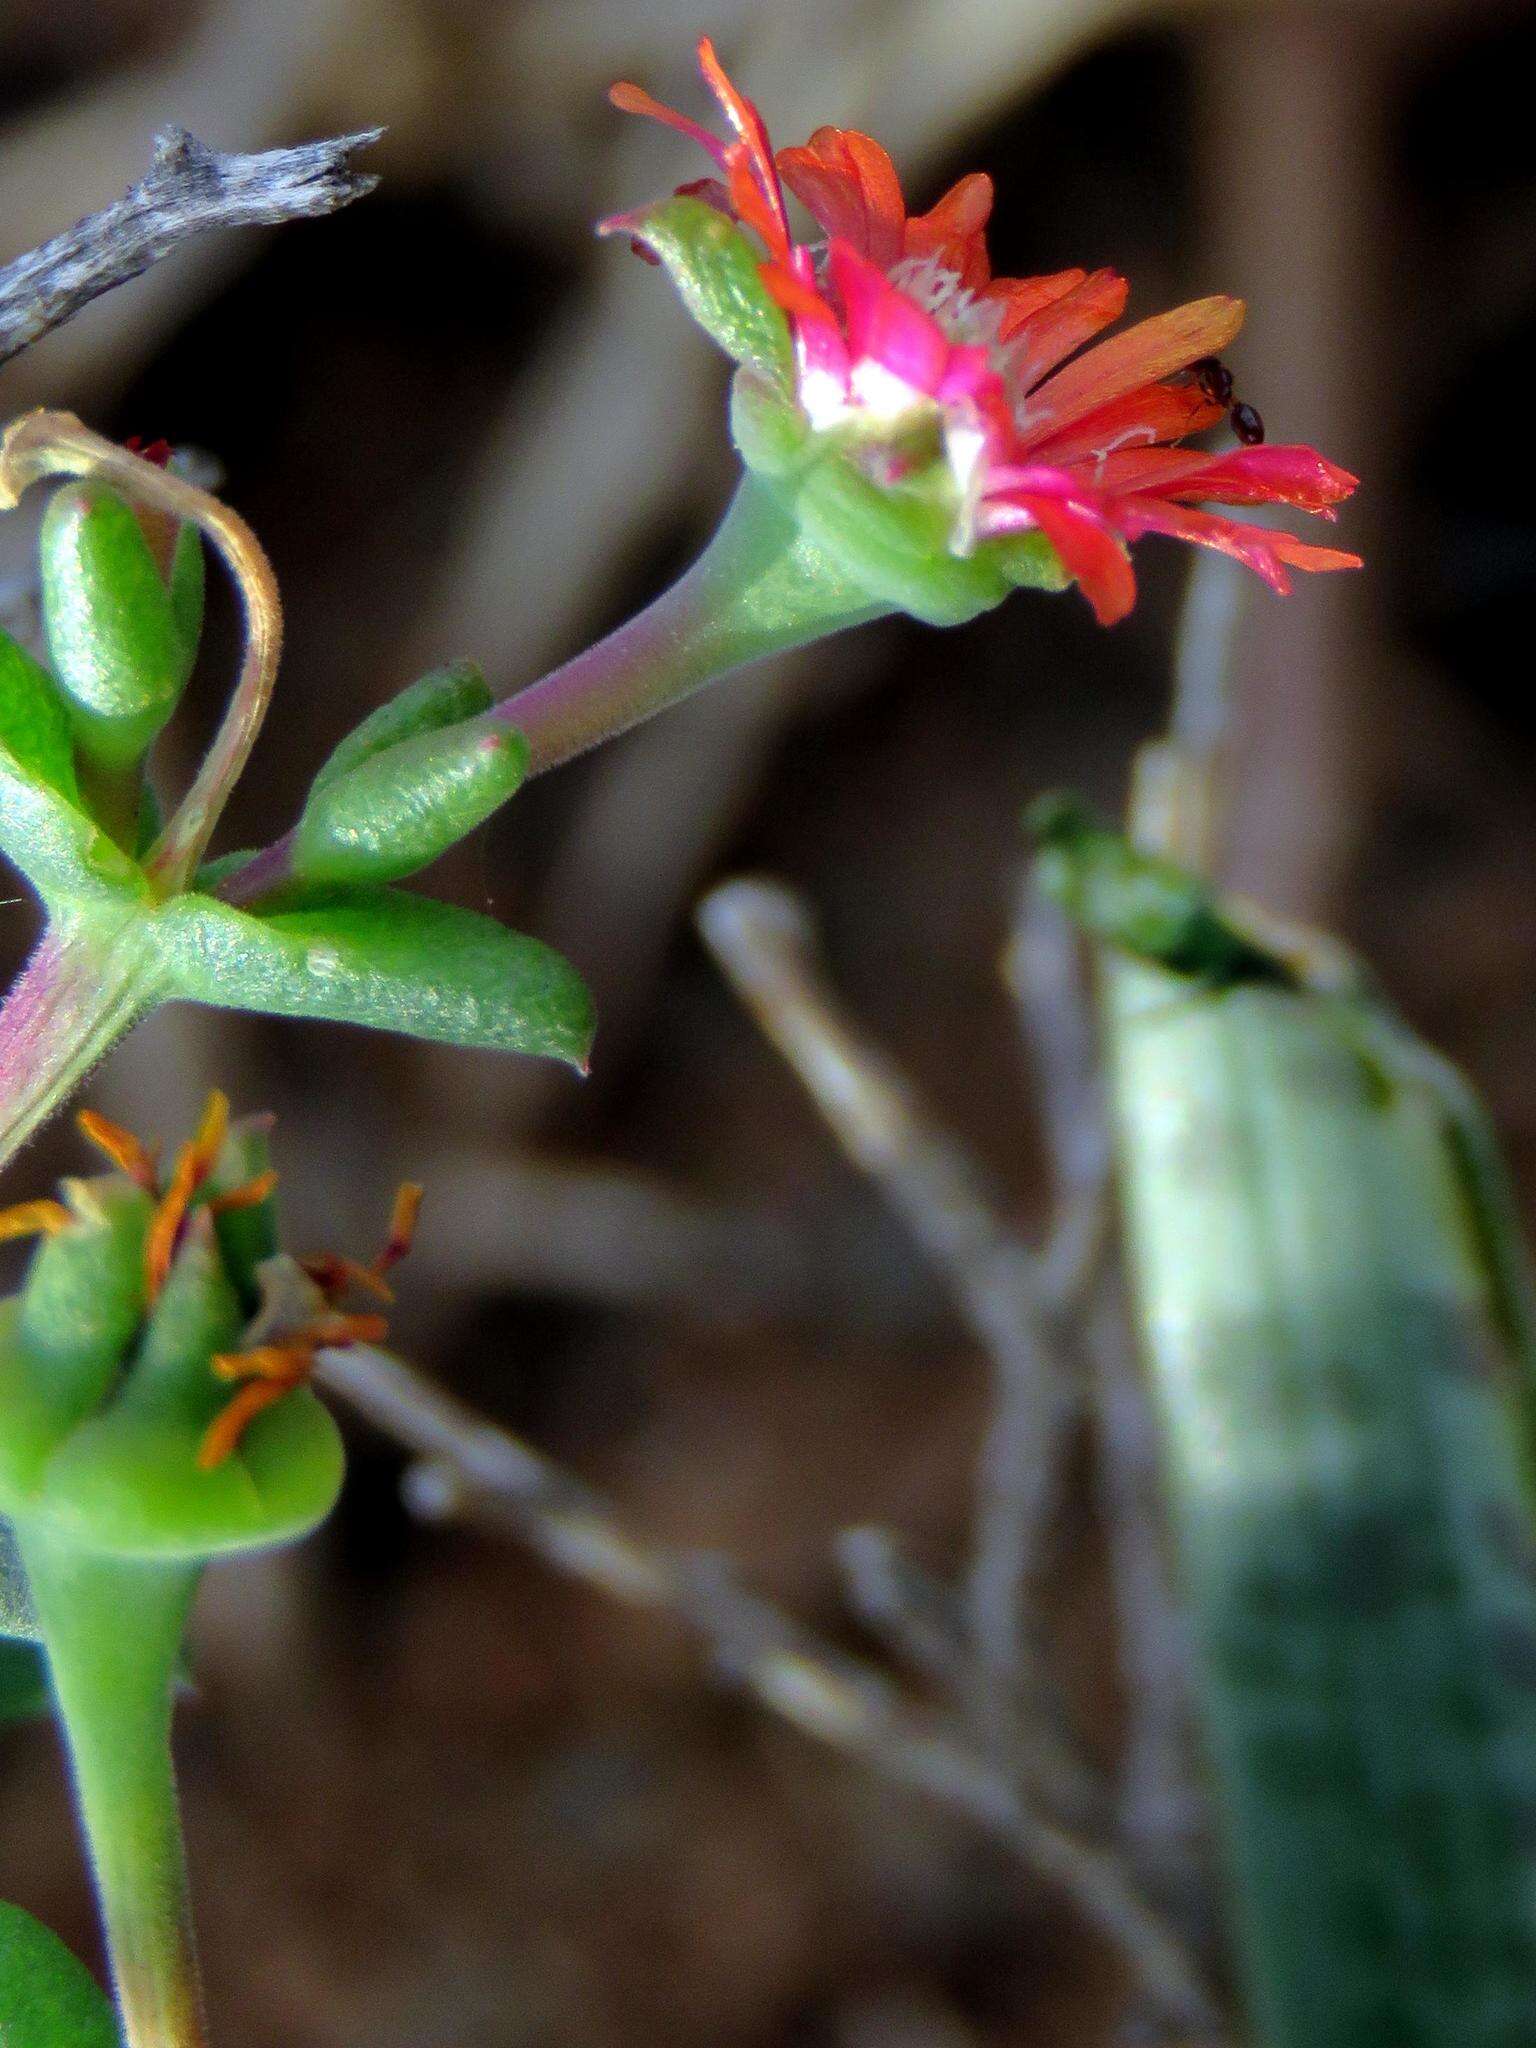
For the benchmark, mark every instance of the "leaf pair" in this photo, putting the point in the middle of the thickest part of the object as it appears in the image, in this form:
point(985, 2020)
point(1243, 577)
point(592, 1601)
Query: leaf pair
point(330, 936)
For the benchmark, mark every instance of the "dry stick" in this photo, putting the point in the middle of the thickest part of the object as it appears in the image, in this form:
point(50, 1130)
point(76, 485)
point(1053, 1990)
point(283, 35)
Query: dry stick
point(187, 190)
point(473, 1470)
point(763, 938)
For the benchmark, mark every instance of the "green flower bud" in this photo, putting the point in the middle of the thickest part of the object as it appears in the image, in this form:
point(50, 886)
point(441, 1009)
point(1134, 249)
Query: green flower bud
point(122, 609)
point(153, 1402)
point(401, 807)
point(444, 696)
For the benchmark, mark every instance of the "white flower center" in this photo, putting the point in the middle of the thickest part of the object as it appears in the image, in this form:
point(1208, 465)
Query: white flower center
point(966, 319)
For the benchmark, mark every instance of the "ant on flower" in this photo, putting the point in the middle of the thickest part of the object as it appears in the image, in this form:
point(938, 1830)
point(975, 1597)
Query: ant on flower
point(1215, 381)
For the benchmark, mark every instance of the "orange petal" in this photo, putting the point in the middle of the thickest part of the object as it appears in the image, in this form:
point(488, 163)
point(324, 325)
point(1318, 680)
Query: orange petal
point(1145, 353)
point(849, 184)
point(1157, 413)
point(1022, 297)
point(1051, 335)
point(1264, 549)
point(634, 99)
point(953, 232)
point(749, 125)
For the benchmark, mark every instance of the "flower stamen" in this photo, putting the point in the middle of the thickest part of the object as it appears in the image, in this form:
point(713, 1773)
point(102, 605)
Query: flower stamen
point(43, 1218)
point(194, 1163)
point(122, 1147)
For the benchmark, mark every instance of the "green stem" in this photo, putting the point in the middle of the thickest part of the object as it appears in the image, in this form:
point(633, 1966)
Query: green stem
point(759, 588)
point(112, 1628)
point(77, 995)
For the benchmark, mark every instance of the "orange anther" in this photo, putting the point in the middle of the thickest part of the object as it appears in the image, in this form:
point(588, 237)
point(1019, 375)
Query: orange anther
point(32, 1219)
point(402, 1226)
point(290, 1362)
point(340, 1331)
point(194, 1163)
point(333, 1274)
point(223, 1434)
point(121, 1147)
point(248, 1196)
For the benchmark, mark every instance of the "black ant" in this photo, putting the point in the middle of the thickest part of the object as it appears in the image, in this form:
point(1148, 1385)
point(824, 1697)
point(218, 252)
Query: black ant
point(1215, 381)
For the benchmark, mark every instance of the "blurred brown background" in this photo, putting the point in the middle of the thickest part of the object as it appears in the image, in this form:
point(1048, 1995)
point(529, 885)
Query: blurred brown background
point(438, 1794)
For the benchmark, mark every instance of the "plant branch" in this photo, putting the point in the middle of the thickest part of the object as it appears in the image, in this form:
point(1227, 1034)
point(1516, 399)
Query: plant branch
point(70, 1004)
point(188, 190)
point(475, 1471)
point(763, 938)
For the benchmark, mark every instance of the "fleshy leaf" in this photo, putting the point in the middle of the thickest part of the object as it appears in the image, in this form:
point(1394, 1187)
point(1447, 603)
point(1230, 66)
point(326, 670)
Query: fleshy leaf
point(444, 696)
point(62, 852)
point(48, 1998)
point(34, 725)
point(718, 273)
point(397, 811)
point(384, 958)
point(117, 635)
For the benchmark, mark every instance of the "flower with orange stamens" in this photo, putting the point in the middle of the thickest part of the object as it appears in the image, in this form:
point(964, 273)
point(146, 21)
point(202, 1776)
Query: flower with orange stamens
point(901, 370)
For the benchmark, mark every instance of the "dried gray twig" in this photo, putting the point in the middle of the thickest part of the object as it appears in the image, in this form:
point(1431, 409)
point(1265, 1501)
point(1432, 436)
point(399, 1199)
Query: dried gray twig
point(474, 1471)
point(188, 190)
point(763, 937)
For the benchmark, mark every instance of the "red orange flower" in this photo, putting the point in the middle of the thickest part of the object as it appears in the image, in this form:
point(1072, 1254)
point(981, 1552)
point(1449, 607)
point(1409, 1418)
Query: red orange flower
point(899, 329)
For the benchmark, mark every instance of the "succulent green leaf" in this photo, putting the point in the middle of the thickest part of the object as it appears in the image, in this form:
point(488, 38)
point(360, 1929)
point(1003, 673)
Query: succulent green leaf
point(117, 635)
point(397, 811)
point(62, 852)
point(1139, 902)
point(198, 1313)
point(719, 275)
point(444, 696)
point(383, 958)
point(48, 1998)
point(65, 1338)
point(34, 725)
point(127, 1482)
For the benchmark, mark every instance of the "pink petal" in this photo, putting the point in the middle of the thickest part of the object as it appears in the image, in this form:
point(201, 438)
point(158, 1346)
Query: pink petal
point(1276, 475)
point(1257, 547)
point(1091, 549)
point(883, 325)
point(1144, 354)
